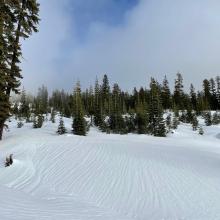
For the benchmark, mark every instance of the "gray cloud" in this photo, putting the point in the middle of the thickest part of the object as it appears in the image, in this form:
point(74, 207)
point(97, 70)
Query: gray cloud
point(157, 38)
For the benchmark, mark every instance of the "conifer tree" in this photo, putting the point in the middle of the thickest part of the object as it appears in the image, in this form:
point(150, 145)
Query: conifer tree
point(189, 115)
point(218, 91)
point(193, 98)
point(141, 119)
point(116, 121)
point(207, 94)
point(61, 128)
point(195, 123)
point(156, 120)
point(213, 99)
point(40, 121)
point(160, 129)
point(53, 114)
point(35, 125)
point(79, 123)
point(18, 19)
point(216, 118)
point(178, 92)
point(24, 110)
point(98, 109)
point(130, 123)
point(208, 118)
point(166, 95)
point(175, 122)
point(105, 95)
point(20, 124)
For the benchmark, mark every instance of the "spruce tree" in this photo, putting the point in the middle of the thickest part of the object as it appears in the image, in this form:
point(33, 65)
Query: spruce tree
point(218, 91)
point(156, 120)
point(216, 118)
point(116, 121)
point(175, 122)
point(207, 94)
point(160, 129)
point(166, 95)
point(24, 110)
point(195, 123)
point(98, 109)
point(20, 124)
point(105, 95)
point(18, 19)
point(61, 128)
point(79, 123)
point(53, 115)
point(208, 118)
point(40, 120)
point(35, 125)
point(178, 92)
point(141, 119)
point(193, 98)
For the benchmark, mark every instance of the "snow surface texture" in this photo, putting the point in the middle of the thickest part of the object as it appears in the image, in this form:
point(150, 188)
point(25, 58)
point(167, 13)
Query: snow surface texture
point(110, 177)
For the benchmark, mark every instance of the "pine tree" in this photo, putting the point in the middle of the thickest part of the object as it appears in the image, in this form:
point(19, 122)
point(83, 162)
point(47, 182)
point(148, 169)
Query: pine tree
point(175, 122)
point(98, 110)
point(160, 129)
point(53, 114)
point(216, 118)
point(218, 91)
point(178, 92)
point(141, 119)
point(130, 123)
point(166, 95)
point(18, 19)
point(189, 115)
point(20, 124)
point(79, 123)
point(40, 120)
point(208, 118)
point(61, 128)
point(213, 98)
point(193, 98)
point(183, 116)
point(116, 121)
point(24, 110)
point(207, 94)
point(195, 123)
point(155, 110)
point(105, 95)
point(35, 125)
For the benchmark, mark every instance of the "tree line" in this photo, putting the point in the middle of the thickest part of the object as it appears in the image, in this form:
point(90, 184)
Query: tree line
point(113, 110)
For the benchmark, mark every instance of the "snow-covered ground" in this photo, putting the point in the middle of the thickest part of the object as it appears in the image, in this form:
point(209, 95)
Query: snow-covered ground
point(110, 177)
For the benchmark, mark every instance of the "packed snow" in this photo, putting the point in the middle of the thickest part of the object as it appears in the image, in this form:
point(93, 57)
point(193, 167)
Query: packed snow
point(108, 176)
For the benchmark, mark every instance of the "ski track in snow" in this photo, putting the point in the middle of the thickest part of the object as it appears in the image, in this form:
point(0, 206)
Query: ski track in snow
point(110, 177)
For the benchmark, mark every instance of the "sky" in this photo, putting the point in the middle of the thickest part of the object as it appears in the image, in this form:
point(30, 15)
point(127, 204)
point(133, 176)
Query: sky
point(129, 40)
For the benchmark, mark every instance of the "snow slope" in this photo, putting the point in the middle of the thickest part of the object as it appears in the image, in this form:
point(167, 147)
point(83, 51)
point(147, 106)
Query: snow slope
point(110, 177)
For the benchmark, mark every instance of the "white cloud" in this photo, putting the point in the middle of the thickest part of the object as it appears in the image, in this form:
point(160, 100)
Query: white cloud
point(157, 38)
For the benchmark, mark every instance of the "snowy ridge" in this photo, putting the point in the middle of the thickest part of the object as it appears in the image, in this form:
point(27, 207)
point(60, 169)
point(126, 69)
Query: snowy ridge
point(110, 176)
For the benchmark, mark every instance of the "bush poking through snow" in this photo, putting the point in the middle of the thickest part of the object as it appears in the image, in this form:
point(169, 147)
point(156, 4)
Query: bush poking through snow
point(9, 160)
point(20, 124)
point(201, 132)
